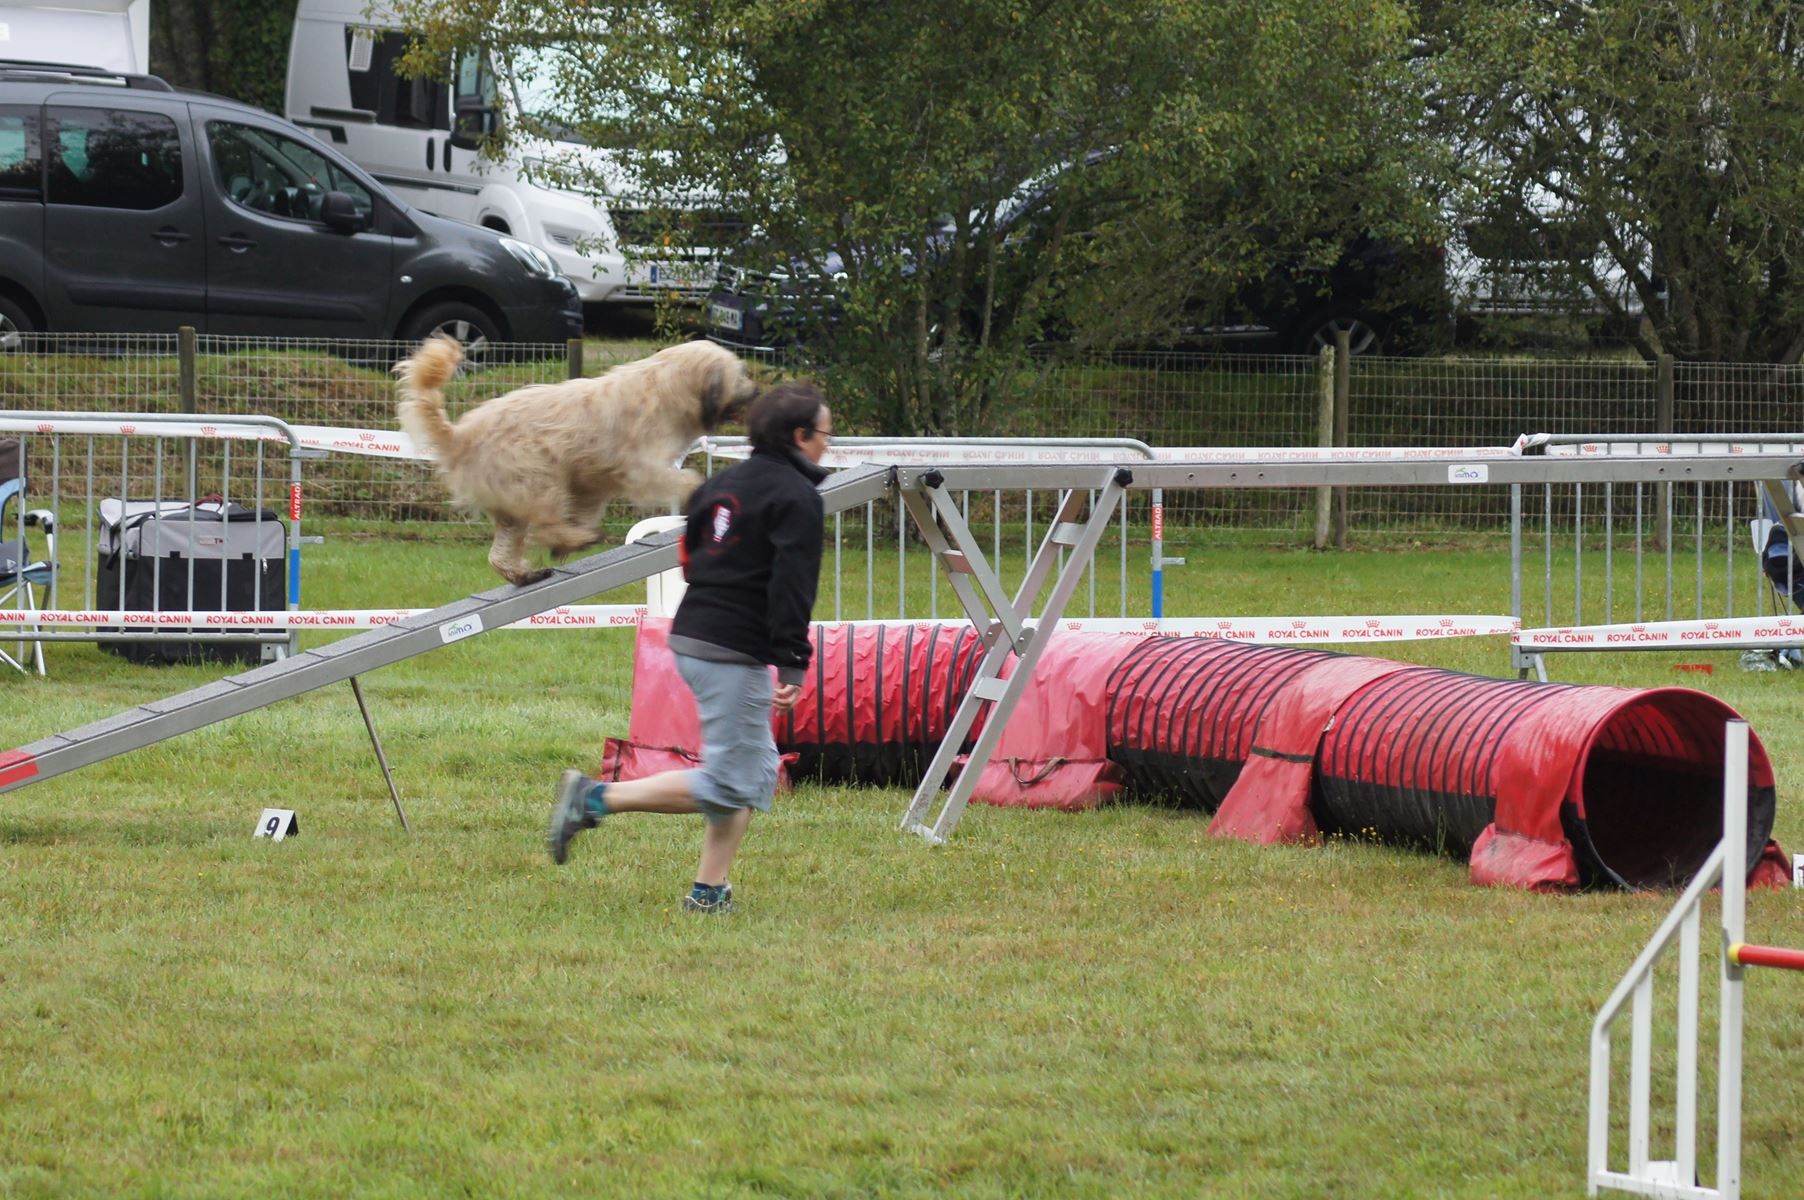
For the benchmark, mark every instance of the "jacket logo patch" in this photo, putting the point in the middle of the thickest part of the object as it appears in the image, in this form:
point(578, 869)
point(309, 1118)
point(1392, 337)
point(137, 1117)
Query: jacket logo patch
point(723, 521)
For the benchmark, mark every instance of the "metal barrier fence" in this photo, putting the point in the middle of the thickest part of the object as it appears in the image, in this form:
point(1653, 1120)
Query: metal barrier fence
point(1165, 398)
point(105, 480)
point(1637, 552)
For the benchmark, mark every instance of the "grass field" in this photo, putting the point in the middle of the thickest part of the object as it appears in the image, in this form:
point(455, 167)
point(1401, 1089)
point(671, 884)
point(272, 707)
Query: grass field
point(1102, 1004)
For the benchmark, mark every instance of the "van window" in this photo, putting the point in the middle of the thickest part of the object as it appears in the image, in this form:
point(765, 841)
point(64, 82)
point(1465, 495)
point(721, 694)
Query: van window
point(408, 103)
point(268, 172)
point(20, 165)
point(113, 158)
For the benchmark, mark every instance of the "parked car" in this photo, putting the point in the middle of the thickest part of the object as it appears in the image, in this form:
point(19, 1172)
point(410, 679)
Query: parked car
point(129, 206)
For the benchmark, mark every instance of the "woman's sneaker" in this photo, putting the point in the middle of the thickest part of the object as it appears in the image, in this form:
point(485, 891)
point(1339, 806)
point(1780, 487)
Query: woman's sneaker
point(569, 814)
point(721, 906)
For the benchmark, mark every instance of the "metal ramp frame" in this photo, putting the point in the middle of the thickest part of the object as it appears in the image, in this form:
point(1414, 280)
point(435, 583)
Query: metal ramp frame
point(1002, 624)
point(235, 695)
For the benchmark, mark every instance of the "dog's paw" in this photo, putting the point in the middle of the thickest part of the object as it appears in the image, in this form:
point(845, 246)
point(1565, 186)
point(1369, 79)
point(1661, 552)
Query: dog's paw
point(528, 578)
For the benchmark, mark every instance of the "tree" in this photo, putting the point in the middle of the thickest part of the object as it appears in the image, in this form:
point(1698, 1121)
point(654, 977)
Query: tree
point(237, 48)
point(1668, 133)
point(1173, 147)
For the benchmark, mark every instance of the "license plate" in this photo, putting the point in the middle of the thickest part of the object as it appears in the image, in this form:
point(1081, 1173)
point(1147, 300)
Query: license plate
point(677, 274)
point(726, 318)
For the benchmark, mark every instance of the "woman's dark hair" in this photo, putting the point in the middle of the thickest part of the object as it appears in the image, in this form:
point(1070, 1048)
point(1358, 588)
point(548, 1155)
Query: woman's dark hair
point(776, 415)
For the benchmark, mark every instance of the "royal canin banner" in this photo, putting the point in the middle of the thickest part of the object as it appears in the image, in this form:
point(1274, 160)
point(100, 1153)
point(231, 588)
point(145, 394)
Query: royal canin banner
point(1275, 630)
point(575, 616)
point(1728, 633)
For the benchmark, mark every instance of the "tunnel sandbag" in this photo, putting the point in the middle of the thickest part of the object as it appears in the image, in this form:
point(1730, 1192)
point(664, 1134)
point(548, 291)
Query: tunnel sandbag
point(1182, 713)
point(1544, 785)
point(875, 703)
point(1270, 800)
point(1053, 752)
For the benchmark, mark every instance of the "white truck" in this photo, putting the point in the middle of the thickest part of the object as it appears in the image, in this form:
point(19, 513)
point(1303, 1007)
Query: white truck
point(113, 35)
point(420, 138)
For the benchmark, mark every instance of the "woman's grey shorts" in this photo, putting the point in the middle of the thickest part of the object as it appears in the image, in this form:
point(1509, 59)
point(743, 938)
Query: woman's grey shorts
point(739, 757)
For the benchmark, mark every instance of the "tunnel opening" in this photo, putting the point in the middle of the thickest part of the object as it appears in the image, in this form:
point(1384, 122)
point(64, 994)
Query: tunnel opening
point(1646, 806)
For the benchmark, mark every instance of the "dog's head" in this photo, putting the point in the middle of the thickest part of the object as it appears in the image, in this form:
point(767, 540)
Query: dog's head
point(723, 385)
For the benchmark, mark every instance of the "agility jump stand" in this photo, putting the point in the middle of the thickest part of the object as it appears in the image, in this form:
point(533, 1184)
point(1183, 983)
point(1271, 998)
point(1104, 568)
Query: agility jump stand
point(1004, 625)
point(1676, 1178)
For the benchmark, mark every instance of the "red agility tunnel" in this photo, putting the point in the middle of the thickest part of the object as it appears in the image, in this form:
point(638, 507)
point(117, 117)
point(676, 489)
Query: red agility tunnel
point(878, 700)
point(1544, 785)
point(875, 705)
point(1182, 713)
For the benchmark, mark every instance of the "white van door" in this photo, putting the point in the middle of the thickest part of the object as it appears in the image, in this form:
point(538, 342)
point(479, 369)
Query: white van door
point(404, 138)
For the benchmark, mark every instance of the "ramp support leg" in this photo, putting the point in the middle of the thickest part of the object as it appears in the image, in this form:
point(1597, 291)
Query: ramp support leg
point(381, 758)
point(1011, 628)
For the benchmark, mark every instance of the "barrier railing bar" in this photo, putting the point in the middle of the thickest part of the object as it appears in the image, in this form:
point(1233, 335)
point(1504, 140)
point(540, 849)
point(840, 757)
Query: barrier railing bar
point(1516, 551)
point(1609, 550)
point(91, 588)
point(1578, 551)
point(1697, 541)
point(1666, 525)
point(1547, 546)
point(1640, 526)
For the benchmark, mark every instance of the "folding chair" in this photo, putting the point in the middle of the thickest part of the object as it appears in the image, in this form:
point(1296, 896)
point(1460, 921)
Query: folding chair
point(20, 575)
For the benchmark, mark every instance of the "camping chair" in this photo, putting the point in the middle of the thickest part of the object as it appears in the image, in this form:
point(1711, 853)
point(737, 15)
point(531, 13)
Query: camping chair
point(20, 576)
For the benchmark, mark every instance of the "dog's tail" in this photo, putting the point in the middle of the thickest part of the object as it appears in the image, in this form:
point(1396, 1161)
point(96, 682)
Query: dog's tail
point(422, 407)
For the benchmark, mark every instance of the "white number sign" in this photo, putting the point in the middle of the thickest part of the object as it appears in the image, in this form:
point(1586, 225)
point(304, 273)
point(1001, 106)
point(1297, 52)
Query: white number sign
point(277, 823)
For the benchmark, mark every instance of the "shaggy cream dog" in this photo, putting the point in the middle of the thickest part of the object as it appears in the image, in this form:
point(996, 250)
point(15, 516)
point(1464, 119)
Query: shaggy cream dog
point(542, 462)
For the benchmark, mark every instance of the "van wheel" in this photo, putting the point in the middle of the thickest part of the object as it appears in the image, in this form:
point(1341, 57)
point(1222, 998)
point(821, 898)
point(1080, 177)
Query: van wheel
point(15, 323)
point(1365, 335)
point(474, 329)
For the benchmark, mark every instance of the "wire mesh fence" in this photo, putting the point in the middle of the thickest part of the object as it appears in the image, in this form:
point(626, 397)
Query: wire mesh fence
point(1162, 398)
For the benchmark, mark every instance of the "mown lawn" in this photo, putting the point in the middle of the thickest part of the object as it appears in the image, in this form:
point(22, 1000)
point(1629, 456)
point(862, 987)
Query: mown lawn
point(1091, 1005)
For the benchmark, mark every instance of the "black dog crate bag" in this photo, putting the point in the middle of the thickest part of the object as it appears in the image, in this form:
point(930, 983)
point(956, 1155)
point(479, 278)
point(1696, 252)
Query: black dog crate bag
point(237, 557)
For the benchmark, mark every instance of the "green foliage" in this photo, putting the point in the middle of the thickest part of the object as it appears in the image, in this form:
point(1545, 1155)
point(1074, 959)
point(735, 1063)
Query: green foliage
point(1668, 133)
point(236, 48)
point(886, 144)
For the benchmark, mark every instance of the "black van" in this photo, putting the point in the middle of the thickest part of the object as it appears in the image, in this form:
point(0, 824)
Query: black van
point(129, 206)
